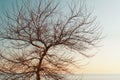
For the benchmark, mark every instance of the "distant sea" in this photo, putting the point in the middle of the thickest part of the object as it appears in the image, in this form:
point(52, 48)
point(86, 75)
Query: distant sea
point(93, 77)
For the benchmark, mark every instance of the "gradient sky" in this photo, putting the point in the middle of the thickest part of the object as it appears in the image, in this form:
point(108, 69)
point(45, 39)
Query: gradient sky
point(107, 60)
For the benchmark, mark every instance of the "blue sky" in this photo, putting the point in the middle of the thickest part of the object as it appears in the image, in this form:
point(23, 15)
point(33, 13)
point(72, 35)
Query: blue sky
point(108, 14)
point(108, 17)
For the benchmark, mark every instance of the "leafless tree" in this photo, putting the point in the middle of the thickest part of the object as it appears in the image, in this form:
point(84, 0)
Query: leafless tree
point(33, 36)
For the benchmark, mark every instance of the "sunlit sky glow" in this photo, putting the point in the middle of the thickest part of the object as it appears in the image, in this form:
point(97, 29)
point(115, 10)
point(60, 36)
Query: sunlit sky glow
point(107, 60)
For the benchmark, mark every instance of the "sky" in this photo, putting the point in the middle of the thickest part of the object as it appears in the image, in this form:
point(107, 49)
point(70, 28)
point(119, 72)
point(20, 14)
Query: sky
point(107, 59)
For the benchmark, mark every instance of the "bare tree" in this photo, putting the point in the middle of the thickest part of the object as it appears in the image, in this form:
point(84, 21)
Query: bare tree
point(35, 34)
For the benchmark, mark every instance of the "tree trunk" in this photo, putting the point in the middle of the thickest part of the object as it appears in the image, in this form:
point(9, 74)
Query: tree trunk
point(37, 75)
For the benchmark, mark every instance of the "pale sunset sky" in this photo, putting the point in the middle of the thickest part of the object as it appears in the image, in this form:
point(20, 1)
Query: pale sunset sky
point(107, 59)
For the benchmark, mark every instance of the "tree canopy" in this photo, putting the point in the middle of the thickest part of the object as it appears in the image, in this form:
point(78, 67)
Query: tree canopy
point(35, 35)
